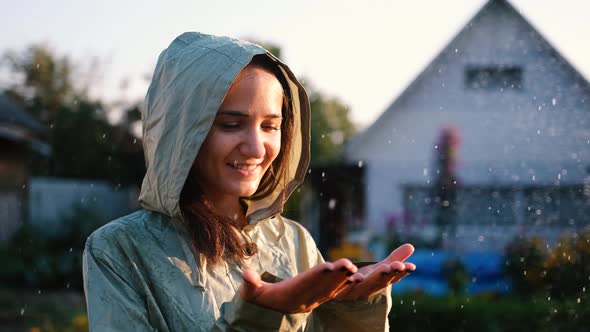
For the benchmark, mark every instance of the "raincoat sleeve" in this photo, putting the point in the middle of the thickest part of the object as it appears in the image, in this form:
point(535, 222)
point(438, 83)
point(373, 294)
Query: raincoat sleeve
point(355, 316)
point(240, 315)
point(112, 296)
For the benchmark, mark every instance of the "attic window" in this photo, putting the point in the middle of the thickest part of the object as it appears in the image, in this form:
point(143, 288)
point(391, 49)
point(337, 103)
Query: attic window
point(494, 78)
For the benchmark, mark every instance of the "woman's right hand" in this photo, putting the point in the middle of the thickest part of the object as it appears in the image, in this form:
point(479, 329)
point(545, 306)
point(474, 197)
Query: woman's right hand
point(302, 293)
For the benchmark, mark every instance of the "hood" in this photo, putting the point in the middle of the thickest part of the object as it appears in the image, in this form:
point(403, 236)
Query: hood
point(190, 81)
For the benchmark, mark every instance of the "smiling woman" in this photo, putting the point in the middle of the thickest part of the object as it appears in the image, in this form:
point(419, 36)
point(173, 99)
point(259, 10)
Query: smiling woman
point(226, 140)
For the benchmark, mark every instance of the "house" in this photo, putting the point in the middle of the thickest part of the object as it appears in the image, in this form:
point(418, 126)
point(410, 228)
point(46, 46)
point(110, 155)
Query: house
point(20, 136)
point(519, 116)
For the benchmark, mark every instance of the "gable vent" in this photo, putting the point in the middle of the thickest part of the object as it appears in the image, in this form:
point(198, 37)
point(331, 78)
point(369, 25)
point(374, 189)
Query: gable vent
point(493, 78)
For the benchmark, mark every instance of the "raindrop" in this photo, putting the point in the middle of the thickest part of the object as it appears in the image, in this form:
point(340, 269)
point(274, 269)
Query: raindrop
point(68, 285)
point(134, 140)
point(323, 174)
point(104, 136)
point(461, 306)
point(549, 298)
point(71, 249)
point(480, 238)
point(533, 178)
point(558, 176)
point(579, 300)
point(413, 302)
point(401, 302)
point(425, 171)
point(436, 147)
point(553, 101)
point(22, 310)
point(538, 131)
point(360, 164)
point(332, 204)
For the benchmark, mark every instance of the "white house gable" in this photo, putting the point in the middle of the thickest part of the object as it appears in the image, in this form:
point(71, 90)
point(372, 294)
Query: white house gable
point(521, 110)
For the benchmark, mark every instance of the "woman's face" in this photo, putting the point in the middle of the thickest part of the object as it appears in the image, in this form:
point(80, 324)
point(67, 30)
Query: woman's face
point(245, 137)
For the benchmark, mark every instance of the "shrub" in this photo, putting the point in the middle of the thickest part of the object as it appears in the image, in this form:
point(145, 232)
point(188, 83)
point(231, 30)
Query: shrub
point(34, 258)
point(525, 264)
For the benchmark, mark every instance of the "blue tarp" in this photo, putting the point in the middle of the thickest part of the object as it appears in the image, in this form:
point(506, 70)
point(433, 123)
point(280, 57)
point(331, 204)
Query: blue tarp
point(485, 272)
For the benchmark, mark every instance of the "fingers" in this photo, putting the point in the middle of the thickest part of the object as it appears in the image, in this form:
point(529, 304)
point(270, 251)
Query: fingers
point(249, 289)
point(364, 286)
point(400, 254)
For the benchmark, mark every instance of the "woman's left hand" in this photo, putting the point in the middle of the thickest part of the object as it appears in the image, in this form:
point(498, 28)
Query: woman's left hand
point(371, 279)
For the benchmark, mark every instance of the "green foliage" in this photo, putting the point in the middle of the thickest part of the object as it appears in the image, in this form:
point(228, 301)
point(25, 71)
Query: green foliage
point(568, 265)
point(563, 271)
point(420, 312)
point(42, 310)
point(34, 258)
point(456, 275)
point(84, 143)
point(525, 260)
point(330, 128)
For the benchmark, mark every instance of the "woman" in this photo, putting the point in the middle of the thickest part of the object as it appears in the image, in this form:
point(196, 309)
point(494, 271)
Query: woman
point(226, 140)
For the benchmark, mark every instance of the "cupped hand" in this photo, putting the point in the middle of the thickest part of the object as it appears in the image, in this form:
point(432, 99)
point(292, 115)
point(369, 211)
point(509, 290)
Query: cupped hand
point(302, 293)
point(371, 279)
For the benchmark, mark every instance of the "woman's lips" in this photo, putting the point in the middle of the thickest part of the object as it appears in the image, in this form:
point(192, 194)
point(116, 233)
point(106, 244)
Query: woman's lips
point(245, 169)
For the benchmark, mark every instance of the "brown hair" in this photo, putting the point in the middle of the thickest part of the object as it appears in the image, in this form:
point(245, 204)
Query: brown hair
point(214, 235)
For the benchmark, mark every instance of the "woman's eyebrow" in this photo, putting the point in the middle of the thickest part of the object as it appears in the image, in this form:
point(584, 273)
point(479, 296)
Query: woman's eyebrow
point(245, 115)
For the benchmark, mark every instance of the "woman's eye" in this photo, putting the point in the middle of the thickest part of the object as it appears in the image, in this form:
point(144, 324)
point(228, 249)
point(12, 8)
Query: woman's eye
point(271, 127)
point(229, 125)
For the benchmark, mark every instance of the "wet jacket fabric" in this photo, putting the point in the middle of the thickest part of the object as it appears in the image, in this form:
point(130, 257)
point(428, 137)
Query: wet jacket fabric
point(140, 271)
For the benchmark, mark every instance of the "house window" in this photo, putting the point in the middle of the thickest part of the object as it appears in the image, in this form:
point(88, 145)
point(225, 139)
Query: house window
point(495, 78)
point(557, 206)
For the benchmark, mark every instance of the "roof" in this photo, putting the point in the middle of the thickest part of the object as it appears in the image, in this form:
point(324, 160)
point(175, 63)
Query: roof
point(17, 125)
point(13, 115)
point(358, 141)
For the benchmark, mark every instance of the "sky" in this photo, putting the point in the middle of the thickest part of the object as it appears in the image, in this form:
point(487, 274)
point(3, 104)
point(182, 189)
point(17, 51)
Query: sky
point(363, 54)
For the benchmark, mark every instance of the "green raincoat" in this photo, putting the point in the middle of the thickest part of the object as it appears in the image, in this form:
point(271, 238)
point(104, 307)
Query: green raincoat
point(140, 273)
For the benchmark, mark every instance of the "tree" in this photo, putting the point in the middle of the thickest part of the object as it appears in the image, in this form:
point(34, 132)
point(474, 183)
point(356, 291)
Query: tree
point(84, 143)
point(330, 127)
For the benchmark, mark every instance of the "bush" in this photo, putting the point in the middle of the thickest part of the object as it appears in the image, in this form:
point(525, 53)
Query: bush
point(420, 312)
point(560, 272)
point(456, 275)
point(32, 258)
point(525, 264)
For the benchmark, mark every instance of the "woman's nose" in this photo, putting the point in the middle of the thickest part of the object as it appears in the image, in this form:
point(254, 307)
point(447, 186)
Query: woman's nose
point(253, 144)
